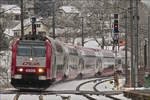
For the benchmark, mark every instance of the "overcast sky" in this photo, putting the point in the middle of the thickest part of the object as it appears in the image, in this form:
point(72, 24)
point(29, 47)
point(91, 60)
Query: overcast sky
point(146, 2)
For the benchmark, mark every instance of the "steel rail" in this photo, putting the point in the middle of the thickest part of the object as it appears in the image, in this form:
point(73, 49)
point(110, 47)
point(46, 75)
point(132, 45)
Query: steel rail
point(108, 93)
point(78, 91)
point(95, 80)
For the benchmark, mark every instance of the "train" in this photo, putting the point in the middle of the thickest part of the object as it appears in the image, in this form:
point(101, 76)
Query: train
point(41, 62)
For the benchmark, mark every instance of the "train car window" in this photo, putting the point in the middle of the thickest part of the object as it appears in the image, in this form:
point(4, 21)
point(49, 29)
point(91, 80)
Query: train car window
point(108, 60)
point(59, 67)
point(107, 54)
point(73, 51)
point(111, 66)
point(38, 51)
point(59, 48)
point(118, 61)
point(89, 53)
point(24, 51)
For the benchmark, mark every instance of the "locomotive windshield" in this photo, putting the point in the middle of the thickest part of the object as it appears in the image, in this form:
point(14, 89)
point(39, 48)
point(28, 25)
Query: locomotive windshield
point(24, 51)
point(38, 51)
point(33, 50)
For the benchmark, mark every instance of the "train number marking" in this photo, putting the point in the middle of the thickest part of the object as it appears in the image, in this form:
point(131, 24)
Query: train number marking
point(30, 70)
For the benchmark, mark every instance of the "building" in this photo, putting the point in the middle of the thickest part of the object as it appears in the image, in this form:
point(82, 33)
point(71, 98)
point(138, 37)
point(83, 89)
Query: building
point(9, 1)
point(9, 33)
point(41, 28)
point(69, 10)
point(11, 12)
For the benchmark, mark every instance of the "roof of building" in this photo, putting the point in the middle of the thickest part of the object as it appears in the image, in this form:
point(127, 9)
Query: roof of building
point(27, 22)
point(9, 32)
point(11, 9)
point(69, 9)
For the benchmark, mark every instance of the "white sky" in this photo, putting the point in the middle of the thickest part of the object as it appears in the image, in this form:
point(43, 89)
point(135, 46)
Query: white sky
point(146, 2)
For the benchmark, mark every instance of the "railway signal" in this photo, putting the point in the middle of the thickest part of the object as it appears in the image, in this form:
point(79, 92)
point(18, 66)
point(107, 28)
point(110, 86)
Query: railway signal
point(115, 29)
point(33, 20)
point(116, 23)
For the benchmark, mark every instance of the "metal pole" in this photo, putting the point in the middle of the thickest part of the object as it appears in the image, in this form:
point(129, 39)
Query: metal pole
point(53, 19)
point(34, 7)
point(22, 18)
point(131, 35)
point(136, 47)
point(145, 53)
point(103, 42)
point(82, 32)
point(148, 42)
point(126, 47)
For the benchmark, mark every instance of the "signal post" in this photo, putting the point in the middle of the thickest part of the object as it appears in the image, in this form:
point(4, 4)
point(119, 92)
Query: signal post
point(115, 43)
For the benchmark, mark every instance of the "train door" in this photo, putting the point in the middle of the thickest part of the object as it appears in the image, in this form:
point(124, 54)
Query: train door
point(59, 61)
point(98, 66)
point(53, 64)
point(66, 67)
point(81, 67)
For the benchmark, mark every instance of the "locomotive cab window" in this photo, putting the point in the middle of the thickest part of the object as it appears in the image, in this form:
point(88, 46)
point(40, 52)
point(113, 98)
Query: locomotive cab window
point(34, 51)
point(38, 51)
point(24, 51)
point(73, 51)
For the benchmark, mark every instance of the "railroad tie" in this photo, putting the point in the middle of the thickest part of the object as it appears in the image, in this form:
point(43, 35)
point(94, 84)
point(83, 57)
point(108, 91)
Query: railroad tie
point(65, 97)
point(41, 97)
point(16, 97)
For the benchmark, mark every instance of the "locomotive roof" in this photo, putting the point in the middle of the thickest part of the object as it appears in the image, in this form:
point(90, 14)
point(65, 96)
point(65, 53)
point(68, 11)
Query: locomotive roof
point(107, 53)
point(31, 42)
point(87, 52)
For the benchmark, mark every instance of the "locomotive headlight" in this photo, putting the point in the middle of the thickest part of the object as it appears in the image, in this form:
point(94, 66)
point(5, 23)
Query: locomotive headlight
point(20, 69)
point(40, 70)
point(31, 59)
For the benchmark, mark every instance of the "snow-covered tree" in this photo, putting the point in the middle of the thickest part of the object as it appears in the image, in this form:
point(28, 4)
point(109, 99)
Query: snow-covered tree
point(3, 40)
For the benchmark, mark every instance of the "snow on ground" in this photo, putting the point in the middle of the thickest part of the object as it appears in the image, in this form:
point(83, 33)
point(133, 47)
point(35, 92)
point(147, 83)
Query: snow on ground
point(100, 97)
point(6, 97)
point(29, 97)
point(52, 97)
point(89, 85)
point(59, 97)
point(106, 86)
point(68, 85)
point(45, 97)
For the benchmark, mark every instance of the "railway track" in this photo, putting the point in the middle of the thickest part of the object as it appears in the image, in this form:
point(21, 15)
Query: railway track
point(43, 93)
point(78, 91)
point(107, 93)
point(104, 93)
point(16, 97)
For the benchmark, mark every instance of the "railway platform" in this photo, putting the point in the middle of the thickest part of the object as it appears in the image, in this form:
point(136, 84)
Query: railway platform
point(138, 94)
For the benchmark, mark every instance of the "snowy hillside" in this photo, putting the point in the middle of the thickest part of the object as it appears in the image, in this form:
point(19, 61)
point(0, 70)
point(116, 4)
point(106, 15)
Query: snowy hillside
point(5, 62)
